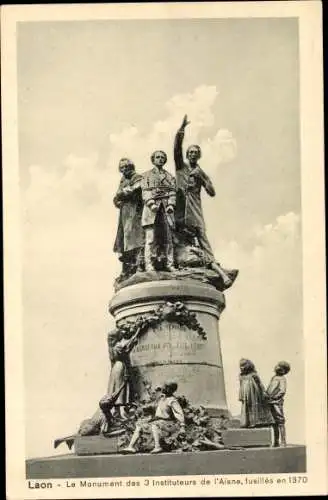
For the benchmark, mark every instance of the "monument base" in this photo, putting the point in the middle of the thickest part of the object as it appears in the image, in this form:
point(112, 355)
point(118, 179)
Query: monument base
point(96, 445)
point(291, 459)
point(247, 438)
point(241, 438)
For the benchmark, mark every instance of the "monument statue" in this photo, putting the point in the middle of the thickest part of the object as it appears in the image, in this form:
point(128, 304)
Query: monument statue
point(119, 349)
point(255, 411)
point(276, 393)
point(159, 197)
point(165, 308)
point(168, 418)
point(191, 178)
point(129, 239)
point(166, 323)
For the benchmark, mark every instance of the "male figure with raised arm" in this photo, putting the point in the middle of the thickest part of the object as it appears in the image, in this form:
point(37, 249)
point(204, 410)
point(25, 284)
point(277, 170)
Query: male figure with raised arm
point(190, 181)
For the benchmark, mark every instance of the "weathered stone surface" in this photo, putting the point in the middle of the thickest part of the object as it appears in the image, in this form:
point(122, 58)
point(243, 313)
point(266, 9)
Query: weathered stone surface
point(247, 437)
point(244, 438)
point(95, 445)
point(157, 292)
point(248, 461)
point(234, 423)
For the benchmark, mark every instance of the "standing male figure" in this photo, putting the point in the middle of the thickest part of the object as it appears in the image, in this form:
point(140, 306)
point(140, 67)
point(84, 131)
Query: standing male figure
point(190, 180)
point(129, 237)
point(159, 196)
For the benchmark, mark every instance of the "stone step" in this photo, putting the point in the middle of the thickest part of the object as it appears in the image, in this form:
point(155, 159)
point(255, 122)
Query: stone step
point(96, 445)
point(247, 438)
point(265, 460)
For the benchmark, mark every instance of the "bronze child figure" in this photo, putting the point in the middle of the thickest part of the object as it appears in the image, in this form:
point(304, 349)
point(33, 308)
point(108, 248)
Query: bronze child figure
point(119, 384)
point(255, 411)
point(276, 393)
point(169, 418)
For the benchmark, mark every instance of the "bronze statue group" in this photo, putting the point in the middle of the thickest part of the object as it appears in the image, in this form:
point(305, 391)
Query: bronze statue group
point(160, 221)
point(164, 415)
point(161, 216)
point(262, 407)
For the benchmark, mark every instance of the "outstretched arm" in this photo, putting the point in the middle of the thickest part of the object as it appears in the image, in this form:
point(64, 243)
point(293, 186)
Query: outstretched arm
point(178, 152)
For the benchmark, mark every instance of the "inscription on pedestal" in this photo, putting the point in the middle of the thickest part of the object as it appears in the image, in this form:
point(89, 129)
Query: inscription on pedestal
point(171, 350)
point(173, 344)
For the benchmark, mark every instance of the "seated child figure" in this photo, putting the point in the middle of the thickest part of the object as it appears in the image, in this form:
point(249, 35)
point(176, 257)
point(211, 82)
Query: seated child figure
point(276, 392)
point(169, 418)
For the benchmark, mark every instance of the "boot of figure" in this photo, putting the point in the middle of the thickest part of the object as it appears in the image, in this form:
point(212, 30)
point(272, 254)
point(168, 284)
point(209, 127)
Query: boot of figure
point(148, 259)
point(149, 239)
point(275, 436)
point(170, 260)
point(282, 430)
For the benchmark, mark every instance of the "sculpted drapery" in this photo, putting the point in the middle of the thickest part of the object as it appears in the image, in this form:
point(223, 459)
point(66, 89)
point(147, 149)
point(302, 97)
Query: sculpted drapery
point(129, 200)
point(189, 211)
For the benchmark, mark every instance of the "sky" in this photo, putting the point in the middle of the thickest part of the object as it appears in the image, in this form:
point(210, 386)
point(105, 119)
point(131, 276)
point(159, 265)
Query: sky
point(92, 92)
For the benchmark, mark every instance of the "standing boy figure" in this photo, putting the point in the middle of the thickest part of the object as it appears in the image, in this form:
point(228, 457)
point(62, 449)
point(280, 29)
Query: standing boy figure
point(169, 418)
point(276, 393)
point(159, 196)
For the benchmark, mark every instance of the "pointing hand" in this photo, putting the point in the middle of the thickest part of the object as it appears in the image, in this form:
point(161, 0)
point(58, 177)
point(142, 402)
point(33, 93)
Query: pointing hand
point(185, 122)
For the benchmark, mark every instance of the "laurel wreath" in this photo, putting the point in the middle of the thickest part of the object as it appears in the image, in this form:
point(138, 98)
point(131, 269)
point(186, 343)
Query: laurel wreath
point(173, 312)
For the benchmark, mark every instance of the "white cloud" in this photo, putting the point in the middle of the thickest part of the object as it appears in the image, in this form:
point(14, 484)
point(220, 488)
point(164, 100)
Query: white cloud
point(80, 182)
point(221, 147)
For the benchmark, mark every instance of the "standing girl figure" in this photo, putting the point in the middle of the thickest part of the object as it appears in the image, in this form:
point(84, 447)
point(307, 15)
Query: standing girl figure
point(255, 411)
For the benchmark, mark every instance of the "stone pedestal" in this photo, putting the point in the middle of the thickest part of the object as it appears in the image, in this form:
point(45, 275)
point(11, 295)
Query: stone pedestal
point(96, 445)
point(247, 438)
point(232, 438)
point(169, 351)
point(248, 461)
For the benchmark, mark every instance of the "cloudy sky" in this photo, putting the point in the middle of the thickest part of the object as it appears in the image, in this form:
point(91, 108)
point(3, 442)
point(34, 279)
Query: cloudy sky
point(91, 92)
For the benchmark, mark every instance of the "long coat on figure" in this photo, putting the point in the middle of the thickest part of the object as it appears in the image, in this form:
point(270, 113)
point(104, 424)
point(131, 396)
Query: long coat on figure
point(255, 411)
point(159, 187)
point(158, 194)
point(119, 354)
point(189, 211)
point(129, 200)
